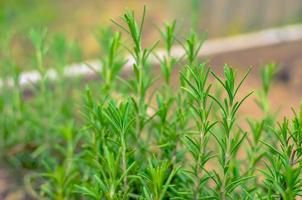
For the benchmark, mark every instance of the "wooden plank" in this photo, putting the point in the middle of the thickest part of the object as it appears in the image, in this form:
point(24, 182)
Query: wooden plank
point(211, 47)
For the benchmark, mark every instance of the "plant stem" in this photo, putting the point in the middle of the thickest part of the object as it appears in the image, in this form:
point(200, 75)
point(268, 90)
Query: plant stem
point(124, 163)
point(198, 169)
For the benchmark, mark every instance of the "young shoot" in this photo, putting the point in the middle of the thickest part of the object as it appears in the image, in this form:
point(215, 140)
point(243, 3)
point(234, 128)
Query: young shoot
point(168, 61)
point(199, 91)
point(112, 61)
point(231, 139)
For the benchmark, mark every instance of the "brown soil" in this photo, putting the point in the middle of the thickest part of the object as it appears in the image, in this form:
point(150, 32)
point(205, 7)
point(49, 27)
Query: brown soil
point(11, 185)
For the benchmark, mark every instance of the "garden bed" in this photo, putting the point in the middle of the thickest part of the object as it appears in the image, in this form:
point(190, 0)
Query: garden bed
point(285, 91)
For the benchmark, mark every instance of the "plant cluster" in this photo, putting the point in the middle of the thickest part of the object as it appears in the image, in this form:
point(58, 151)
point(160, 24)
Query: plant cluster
point(132, 141)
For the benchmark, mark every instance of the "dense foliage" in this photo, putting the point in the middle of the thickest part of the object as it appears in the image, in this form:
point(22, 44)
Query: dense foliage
point(131, 141)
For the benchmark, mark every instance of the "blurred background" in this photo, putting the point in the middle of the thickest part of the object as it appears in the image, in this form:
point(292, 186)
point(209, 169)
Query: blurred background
point(77, 19)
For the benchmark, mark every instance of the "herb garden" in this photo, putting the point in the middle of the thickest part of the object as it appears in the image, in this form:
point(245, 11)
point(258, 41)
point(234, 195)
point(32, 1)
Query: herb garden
point(142, 135)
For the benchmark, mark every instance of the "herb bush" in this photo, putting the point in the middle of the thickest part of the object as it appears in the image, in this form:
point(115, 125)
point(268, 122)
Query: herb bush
point(131, 141)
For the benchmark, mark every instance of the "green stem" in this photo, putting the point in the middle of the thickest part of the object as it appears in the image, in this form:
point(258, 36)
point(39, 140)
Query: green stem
point(227, 155)
point(140, 99)
point(124, 163)
point(198, 169)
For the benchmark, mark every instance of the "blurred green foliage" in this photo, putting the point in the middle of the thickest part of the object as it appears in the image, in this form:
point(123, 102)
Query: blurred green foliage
point(19, 15)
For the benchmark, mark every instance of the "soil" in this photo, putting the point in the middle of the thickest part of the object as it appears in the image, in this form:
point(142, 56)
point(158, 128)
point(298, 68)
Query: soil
point(285, 93)
point(11, 185)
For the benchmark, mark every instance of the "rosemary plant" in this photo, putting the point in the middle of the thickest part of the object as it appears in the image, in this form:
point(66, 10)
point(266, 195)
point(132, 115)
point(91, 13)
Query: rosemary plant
point(179, 141)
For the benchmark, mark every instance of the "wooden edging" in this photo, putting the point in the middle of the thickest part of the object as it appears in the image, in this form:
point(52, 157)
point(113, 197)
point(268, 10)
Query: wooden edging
point(263, 38)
